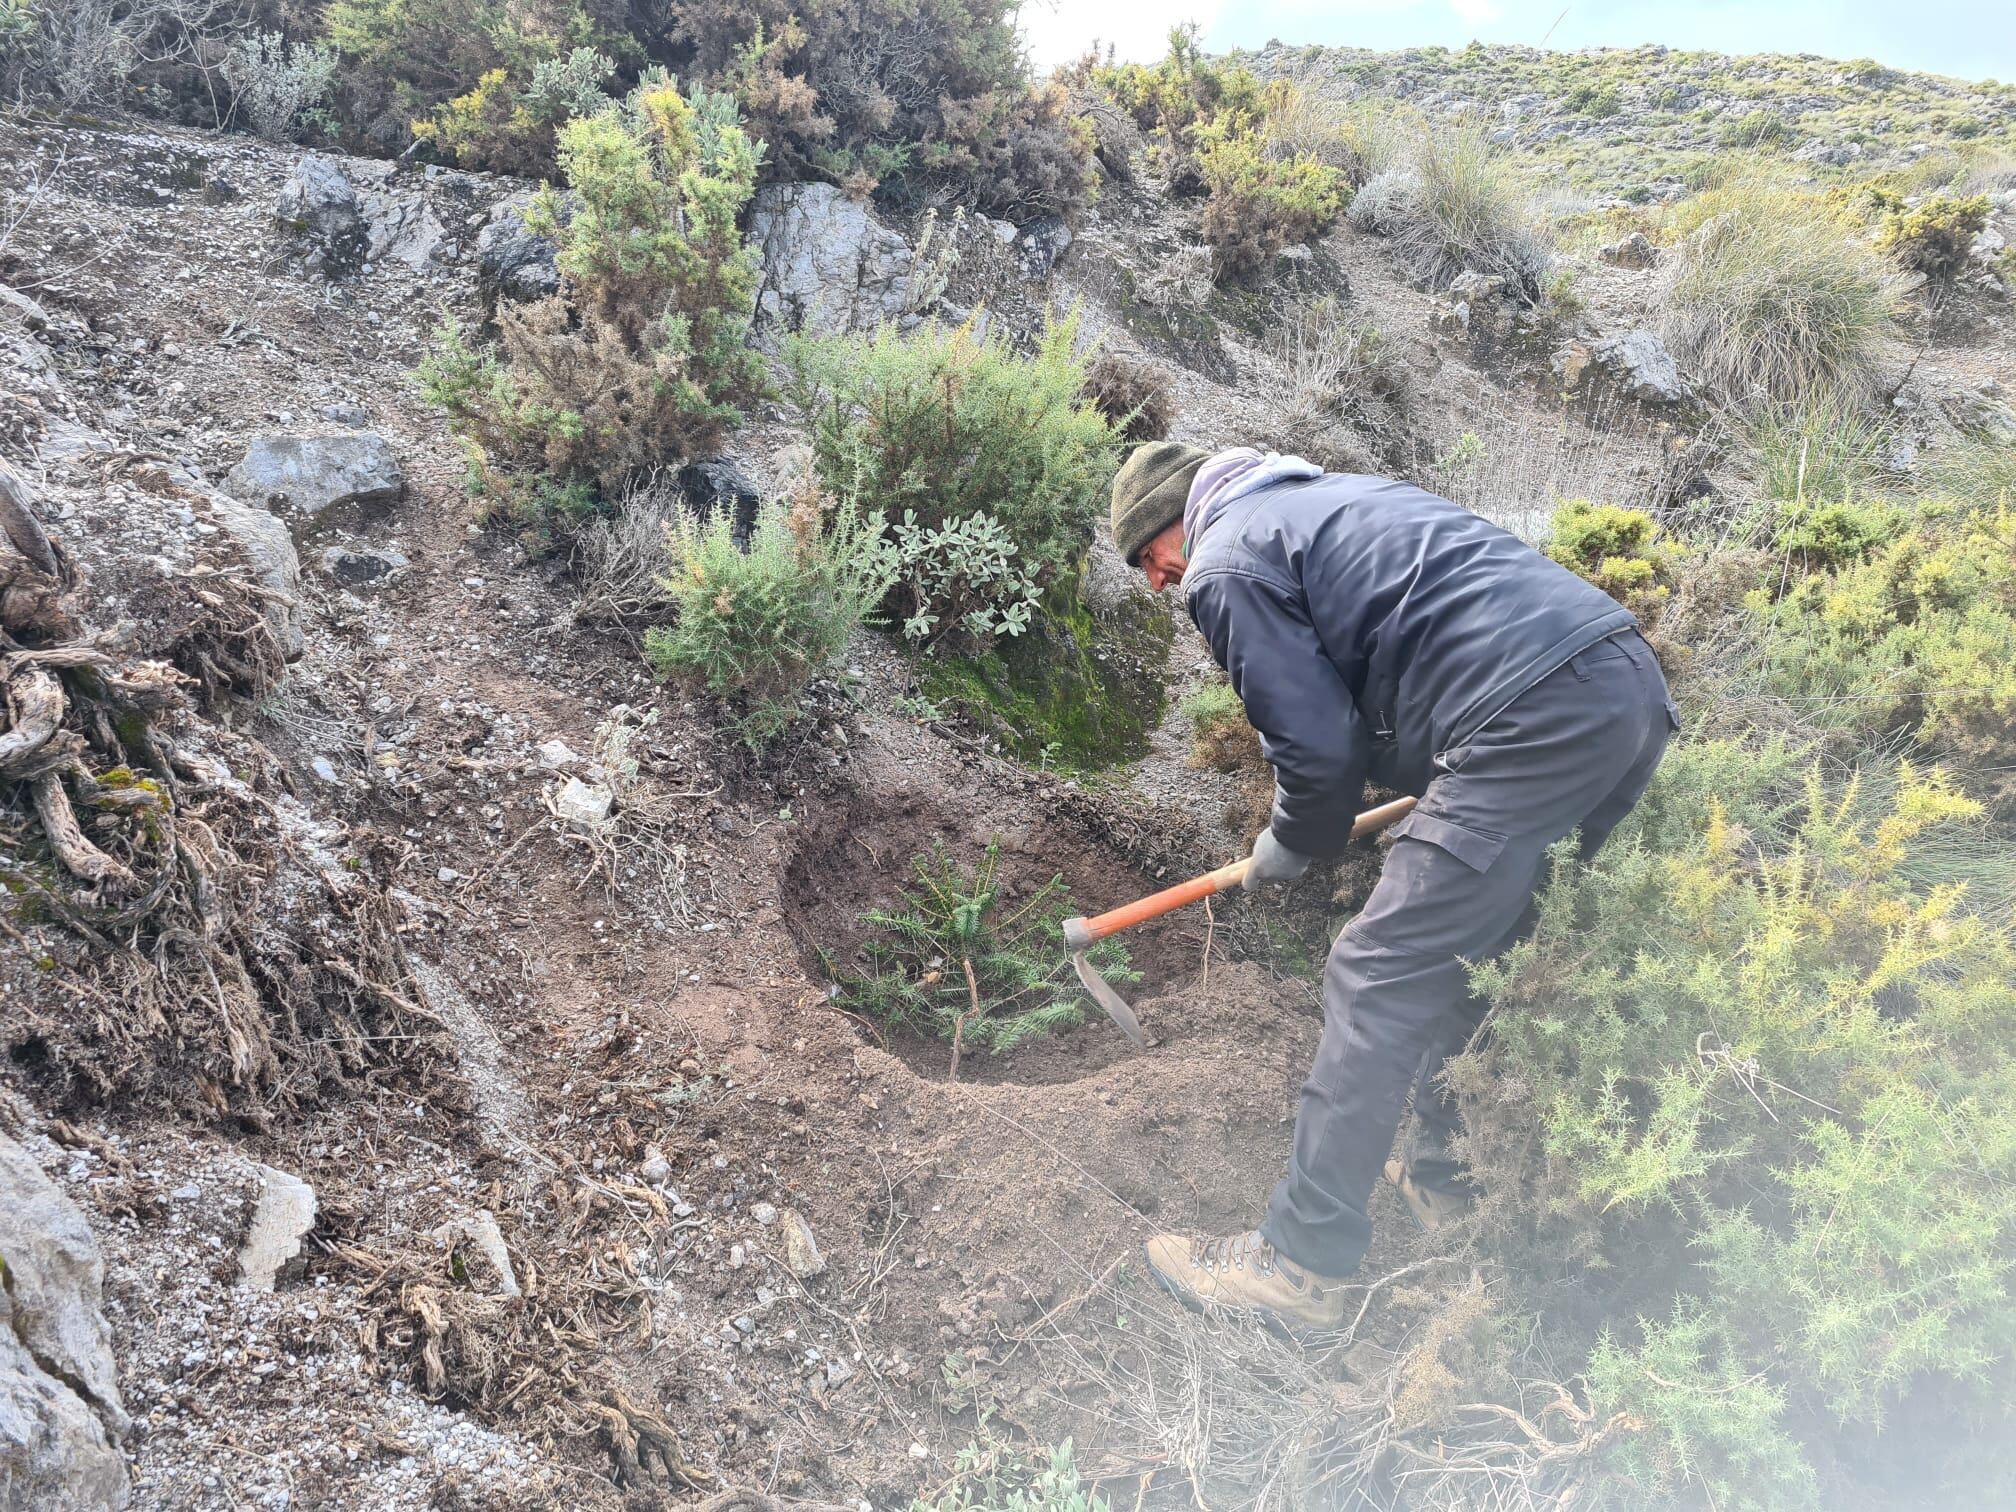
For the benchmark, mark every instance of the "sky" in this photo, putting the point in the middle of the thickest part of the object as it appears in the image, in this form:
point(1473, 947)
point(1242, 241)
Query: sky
point(1968, 39)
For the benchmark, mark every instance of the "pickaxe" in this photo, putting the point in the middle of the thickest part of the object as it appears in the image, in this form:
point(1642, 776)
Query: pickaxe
point(1080, 933)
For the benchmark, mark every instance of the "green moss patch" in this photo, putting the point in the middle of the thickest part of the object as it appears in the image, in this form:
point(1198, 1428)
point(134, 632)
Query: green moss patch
point(1082, 689)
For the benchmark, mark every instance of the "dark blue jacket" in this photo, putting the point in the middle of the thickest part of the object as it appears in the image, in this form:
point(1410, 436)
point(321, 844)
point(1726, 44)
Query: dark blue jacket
point(1370, 627)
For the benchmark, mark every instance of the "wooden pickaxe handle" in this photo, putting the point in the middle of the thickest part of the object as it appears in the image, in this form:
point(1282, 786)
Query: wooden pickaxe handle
point(1078, 933)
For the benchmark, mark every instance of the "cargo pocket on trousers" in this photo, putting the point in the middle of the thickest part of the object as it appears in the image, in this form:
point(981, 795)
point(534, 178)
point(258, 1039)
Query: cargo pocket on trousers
point(1475, 848)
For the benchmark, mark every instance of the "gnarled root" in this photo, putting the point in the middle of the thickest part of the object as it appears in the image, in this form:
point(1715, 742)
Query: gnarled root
point(59, 825)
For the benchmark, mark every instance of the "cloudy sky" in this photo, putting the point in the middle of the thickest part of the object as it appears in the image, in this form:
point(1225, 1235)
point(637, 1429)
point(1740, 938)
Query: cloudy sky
point(1970, 39)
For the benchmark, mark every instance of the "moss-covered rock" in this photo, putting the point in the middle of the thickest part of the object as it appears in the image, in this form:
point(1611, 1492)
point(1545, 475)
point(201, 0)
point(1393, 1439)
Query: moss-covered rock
point(1082, 689)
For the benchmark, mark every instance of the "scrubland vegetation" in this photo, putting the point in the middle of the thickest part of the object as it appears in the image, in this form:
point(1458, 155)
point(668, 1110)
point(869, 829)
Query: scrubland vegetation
point(1742, 1118)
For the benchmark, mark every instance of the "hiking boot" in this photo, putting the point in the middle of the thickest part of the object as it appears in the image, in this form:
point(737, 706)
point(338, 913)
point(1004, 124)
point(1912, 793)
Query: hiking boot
point(1433, 1205)
point(1246, 1274)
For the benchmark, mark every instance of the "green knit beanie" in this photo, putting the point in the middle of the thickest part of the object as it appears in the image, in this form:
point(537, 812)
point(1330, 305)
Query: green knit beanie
point(1150, 491)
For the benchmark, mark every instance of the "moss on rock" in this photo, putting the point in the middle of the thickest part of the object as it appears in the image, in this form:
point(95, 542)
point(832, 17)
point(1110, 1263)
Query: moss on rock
point(1082, 688)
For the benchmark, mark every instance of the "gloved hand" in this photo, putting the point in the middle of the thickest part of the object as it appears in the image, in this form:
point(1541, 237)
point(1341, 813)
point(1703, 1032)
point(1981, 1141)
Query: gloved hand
point(1273, 862)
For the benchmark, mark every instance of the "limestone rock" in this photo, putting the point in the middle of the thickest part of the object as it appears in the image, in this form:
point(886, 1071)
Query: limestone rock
point(282, 1216)
point(1634, 251)
point(268, 550)
point(314, 474)
point(60, 1412)
point(828, 265)
point(801, 1251)
point(1635, 363)
point(584, 805)
point(511, 262)
point(363, 567)
point(319, 204)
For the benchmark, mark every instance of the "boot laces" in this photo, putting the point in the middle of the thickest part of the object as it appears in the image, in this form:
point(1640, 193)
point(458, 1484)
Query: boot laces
point(1235, 1252)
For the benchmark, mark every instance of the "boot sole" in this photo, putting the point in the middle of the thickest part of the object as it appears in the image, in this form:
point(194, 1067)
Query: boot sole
point(1282, 1328)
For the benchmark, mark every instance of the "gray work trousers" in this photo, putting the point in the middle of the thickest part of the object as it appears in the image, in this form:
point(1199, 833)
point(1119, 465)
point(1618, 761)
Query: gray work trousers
point(1574, 751)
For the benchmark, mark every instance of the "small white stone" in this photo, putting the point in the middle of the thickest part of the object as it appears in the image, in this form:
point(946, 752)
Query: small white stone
point(582, 805)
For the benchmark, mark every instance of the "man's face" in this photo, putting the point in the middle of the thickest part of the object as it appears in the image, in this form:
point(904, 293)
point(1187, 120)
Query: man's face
point(1162, 558)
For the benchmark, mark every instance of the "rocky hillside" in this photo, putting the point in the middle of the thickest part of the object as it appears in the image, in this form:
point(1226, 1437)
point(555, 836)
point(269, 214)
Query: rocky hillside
point(1646, 122)
point(444, 1046)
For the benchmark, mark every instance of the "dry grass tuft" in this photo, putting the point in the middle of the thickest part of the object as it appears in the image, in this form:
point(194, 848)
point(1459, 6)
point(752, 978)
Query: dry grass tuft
point(1773, 294)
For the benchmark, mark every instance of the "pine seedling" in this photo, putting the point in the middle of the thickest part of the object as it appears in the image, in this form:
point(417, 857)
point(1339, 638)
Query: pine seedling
point(954, 958)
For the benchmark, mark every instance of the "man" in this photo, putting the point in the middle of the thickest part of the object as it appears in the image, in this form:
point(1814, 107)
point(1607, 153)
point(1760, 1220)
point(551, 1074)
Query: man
point(1375, 630)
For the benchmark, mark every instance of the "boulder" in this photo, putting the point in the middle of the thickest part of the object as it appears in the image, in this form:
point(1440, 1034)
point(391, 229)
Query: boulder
point(319, 205)
point(1042, 242)
point(720, 484)
point(60, 1413)
point(1635, 364)
point(363, 567)
point(511, 262)
point(1634, 251)
point(828, 265)
point(312, 475)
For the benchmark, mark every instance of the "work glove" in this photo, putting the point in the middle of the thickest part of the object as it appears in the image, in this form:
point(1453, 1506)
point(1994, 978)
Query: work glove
point(1273, 862)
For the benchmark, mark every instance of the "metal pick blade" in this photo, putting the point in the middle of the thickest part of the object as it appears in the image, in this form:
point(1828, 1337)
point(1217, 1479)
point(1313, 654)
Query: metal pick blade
point(1114, 1004)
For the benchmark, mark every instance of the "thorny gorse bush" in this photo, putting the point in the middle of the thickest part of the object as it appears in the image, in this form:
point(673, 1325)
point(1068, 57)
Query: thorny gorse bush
point(641, 359)
point(505, 125)
point(1771, 1070)
point(754, 627)
point(1912, 633)
point(1207, 122)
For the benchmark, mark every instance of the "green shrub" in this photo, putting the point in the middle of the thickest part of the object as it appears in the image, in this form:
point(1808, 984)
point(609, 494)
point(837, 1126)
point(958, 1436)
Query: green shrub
point(991, 1479)
point(404, 59)
point(1598, 100)
point(1760, 128)
point(1774, 295)
point(943, 428)
point(503, 126)
point(906, 95)
point(1769, 1054)
point(274, 86)
point(1208, 122)
point(1935, 236)
point(960, 959)
point(755, 625)
point(641, 359)
point(1918, 639)
point(1614, 549)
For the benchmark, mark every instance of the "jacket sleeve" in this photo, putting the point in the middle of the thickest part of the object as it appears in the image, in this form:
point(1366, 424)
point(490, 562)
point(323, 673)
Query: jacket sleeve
point(1309, 727)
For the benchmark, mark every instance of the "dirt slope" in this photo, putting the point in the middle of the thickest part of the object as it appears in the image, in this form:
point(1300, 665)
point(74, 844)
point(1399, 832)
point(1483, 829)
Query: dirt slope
point(653, 1097)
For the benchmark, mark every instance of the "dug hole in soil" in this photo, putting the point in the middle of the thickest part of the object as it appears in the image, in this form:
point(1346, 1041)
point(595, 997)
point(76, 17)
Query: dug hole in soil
point(1039, 1167)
